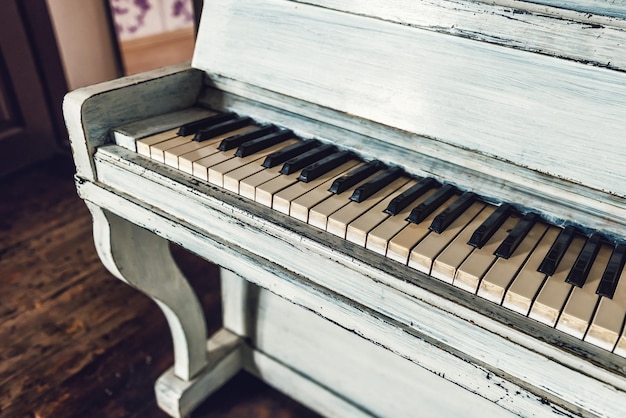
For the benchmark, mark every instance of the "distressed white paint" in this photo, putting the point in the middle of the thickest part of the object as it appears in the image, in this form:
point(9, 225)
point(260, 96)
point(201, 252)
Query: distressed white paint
point(179, 397)
point(539, 112)
point(239, 300)
point(616, 8)
point(373, 377)
point(143, 260)
point(559, 201)
point(300, 387)
point(513, 24)
point(90, 112)
point(229, 235)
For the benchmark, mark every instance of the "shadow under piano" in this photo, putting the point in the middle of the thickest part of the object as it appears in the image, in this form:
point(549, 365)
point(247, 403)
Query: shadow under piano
point(418, 208)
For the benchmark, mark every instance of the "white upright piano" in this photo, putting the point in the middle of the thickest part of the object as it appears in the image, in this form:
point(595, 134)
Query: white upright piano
point(418, 207)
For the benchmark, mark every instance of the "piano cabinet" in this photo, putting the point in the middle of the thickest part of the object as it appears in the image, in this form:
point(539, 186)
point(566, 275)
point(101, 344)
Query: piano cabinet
point(291, 323)
point(343, 329)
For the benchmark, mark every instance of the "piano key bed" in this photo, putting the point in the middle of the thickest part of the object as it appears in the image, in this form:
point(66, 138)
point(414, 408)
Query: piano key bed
point(557, 275)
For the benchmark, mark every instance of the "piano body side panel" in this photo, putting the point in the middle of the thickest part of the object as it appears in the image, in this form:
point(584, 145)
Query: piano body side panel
point(90, 112)
point(377, 380)
point(555, 116)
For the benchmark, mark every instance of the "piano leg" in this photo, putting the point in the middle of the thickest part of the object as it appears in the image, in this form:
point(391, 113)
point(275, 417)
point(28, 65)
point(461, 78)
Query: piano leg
point(143, 260)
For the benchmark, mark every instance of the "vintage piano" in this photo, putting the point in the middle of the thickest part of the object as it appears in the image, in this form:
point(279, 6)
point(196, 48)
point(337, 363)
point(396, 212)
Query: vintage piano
point(418, 207)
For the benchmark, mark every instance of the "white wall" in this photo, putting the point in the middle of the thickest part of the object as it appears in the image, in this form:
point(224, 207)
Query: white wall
point(84, 40)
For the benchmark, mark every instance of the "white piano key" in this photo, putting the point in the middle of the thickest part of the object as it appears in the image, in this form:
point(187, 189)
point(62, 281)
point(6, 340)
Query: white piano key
point(606, 327)
point(209, 148)
point(200, 168)
point(582, 301)
point(555, 290)
point(217, 172)
point(471, 272)
point(318, 215)
point(358, 229)
point(424, 253)
point(497, 280)
point(448, 261)
point(248, 185)
point(264, 193)
point(282, 200)
point(301, 206)
point(379, 237)
point(143, 145)
point(400, 246)
point(233, 178)
point(338, 222)
point(157, 150)
point(172, 155)
point(526, 284)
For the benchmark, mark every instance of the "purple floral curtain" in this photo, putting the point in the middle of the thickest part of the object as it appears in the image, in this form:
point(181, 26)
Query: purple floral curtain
point(138, 18)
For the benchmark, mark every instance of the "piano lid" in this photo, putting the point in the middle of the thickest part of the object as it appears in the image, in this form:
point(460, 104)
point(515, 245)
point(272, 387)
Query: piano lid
point(539, 87)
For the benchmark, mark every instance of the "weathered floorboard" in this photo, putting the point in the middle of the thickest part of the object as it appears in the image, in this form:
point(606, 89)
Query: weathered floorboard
point(74, 341)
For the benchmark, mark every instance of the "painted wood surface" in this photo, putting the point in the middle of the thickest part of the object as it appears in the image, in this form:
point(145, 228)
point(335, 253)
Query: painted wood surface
point(239, 297)
point(180, 396)
point(616, 8)
point(557, 200)
point(91, 111)
point(300, 387)
point(143, 260)
point(382, 383)
point(231, 234)
point(538, 112)
point(584, 37)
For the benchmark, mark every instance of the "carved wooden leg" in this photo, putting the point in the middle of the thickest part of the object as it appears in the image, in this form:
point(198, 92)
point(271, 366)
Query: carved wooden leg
point(143, 260)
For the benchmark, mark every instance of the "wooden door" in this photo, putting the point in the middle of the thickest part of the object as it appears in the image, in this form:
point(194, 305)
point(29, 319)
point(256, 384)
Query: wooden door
point(27, 132)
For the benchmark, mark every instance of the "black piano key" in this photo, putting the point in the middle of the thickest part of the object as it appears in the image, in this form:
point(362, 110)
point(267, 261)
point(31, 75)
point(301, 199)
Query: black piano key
point(234, 141)
point(445, 218)
point(325, 165)
point(579, 272)
point(222, 128)
point(485, 231)
point(421, 211)
point(517, 234)
point(377, 183)
point(287, 153)
point(193, 127)
point(355, 176)
point(309, 157)
point(613, 270)
point(403, 200)
point(259, 144)
point(553, 258)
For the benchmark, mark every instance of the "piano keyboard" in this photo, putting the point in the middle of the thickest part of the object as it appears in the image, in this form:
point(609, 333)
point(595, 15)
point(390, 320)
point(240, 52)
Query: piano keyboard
point(557, 276)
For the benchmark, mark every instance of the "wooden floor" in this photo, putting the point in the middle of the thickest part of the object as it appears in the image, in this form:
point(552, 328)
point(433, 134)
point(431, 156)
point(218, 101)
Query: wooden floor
point(76, 342)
